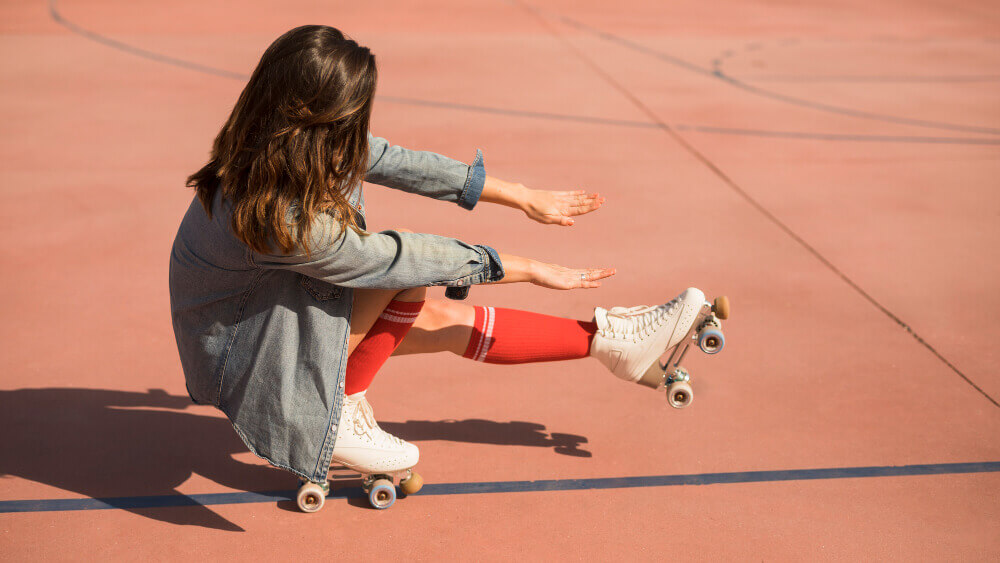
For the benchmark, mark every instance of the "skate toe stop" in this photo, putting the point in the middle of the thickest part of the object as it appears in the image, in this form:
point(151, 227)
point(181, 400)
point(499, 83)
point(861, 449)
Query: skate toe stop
point(412, 484)
point(721, 307)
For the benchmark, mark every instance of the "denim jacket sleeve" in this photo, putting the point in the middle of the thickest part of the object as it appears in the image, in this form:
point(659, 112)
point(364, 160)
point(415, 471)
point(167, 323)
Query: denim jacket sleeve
point(425, 173)
point(387, 260)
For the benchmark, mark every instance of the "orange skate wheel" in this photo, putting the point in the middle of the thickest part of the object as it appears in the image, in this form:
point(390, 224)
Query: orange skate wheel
point(721, 307)
point(679, 394)
point(311, 497)
point(412, 484)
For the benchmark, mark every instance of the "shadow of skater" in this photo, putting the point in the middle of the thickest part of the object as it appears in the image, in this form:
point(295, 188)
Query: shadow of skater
point(514, 433)
point(107, 444)
point(116, 444)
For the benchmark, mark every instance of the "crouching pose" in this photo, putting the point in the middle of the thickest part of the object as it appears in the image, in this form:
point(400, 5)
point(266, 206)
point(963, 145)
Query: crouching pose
point(284, 307)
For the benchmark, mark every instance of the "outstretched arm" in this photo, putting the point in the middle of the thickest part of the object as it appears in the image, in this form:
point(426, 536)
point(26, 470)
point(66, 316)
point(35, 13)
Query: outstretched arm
point(433, 175)
point(425, 173)
point(552, 276)
point(547, 207)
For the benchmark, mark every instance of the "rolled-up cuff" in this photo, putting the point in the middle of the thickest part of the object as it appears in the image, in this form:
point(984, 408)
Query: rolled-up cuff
point(491, 271)
point(474, 183)
point(494, 270)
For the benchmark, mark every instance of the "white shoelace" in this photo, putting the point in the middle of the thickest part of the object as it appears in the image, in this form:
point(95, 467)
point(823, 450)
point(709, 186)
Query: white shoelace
point(366, 425)
point(629, 323)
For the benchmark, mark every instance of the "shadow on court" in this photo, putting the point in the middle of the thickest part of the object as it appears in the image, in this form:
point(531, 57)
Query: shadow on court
point(514, 433)
point(112, 444)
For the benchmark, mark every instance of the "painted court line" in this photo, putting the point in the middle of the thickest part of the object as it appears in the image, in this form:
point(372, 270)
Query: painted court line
point(213, 71)
point(715, 169)
point(434, 489)
point(764, 92)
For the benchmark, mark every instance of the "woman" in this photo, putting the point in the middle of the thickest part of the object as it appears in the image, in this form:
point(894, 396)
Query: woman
point(284, 307)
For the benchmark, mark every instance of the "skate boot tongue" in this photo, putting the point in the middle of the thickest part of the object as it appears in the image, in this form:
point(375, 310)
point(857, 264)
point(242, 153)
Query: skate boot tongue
point(601, 317)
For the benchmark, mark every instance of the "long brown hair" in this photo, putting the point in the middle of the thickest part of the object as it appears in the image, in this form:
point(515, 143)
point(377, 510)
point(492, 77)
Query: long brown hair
point(297, 139)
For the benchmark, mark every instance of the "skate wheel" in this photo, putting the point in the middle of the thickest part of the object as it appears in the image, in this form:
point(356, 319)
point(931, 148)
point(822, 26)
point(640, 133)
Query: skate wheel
point(412, 484)
point(311, 497)
point(382, 494)
point(721, 307)
point(679, 394)
point(711, 341)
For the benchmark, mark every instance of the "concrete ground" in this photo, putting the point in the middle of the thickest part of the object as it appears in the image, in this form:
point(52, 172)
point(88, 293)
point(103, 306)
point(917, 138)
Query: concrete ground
point(832, 168)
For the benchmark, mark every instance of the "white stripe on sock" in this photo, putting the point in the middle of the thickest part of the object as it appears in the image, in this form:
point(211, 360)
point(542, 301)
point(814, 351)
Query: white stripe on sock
point(487, 334)
point(482, 334)
point(402, 313)
point(397, 319)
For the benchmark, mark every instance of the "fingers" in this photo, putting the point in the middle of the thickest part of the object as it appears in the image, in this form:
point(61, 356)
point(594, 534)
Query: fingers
point(586, 207)
point(554, 276)
point(578, 197)
point(581, 199)
point(556, 208)
point(589, 278)
point(585, 203)
point(581, 206)
point(599, 273)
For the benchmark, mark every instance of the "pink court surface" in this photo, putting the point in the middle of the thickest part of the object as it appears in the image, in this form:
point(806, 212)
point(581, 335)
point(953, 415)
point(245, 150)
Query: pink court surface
point(834, 169)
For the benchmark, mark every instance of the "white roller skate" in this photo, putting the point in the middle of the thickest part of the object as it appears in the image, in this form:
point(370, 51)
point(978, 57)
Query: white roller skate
point(630, 340)
point(364, 447)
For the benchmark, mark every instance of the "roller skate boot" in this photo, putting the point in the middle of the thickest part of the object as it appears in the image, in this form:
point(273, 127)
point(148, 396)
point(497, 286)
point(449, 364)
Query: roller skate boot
point(631, 340)
point(364, 447)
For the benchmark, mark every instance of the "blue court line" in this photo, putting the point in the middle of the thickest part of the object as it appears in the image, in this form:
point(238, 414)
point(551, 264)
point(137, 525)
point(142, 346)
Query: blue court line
point(435, 489)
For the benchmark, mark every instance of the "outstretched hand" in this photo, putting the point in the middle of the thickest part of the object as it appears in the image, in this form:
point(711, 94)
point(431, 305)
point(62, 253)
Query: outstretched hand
point(559, 208)
point(548, 208)
point(554, 276)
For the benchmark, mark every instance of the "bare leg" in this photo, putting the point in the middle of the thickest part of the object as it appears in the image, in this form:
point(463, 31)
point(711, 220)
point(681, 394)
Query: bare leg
point(443, 326)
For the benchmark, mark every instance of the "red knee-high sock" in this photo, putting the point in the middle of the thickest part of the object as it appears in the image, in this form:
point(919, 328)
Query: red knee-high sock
point(508, 336)
point(382, 339)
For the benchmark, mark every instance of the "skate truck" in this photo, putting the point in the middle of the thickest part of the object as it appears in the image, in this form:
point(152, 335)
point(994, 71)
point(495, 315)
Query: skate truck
point(706, 333)
point(378, 487)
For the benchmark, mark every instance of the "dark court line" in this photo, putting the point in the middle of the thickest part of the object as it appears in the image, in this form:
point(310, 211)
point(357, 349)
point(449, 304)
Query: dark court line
point(838, 136)
point(521, 113)
point(715, 169)
point(871, 78)
point(223, 73)
point(152, 55)
point(439, 489)
point(764, 92)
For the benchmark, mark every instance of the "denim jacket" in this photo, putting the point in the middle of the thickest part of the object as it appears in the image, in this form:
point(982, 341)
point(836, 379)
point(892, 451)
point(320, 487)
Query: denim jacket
point(263, 337)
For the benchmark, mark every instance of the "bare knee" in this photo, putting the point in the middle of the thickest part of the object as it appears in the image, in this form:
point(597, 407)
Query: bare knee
point(441, 313)
point(412, 294)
